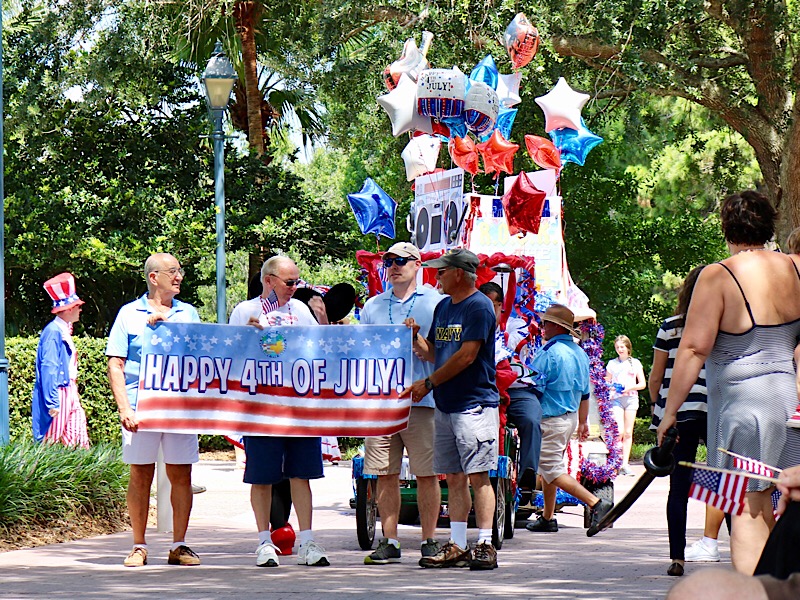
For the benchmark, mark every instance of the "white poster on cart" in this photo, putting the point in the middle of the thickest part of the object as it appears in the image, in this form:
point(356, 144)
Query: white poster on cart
point(438, 210)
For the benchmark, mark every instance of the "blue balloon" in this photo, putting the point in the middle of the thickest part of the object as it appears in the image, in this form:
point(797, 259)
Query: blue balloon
point(457, 126)
point(486, 71)
point(505, 121)
point(573, 144)
point(374, 210)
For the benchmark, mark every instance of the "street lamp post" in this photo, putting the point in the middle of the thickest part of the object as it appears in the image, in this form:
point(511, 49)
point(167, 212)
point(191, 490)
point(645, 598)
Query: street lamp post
point(4, 409)
point(218, 80)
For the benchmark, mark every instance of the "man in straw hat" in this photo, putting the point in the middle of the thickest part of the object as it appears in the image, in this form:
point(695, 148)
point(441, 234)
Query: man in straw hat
point(56, 409)
point(561, 380)
point(164, 275)
point(384, 454)
point(461, 346)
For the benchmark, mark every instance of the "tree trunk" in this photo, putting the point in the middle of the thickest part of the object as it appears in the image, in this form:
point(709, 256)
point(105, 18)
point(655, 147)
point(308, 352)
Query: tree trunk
point(246, 15)
point(789, 201)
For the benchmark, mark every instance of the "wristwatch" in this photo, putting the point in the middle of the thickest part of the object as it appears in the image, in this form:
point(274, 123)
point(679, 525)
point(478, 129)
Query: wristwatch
point(428, 384)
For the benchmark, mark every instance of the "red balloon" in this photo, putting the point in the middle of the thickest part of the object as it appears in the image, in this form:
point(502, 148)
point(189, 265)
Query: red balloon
point(522, 206)
point(498, 154)
point(464, 154)
point(440, 128)
point(543, 152)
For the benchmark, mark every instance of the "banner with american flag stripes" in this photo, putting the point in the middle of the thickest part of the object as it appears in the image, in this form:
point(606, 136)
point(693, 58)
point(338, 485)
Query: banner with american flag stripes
point(724, 491)
point(340, 380)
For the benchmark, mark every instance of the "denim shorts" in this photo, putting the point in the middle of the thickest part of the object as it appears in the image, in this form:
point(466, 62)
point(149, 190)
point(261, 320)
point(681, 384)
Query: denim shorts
point(270, 460)
point(466, 442)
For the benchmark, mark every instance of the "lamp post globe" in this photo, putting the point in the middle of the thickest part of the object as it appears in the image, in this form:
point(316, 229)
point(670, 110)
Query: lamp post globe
point(218, 80)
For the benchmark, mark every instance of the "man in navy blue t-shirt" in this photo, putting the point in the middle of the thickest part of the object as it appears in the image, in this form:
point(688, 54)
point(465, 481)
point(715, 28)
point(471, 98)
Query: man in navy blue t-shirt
point(461, 346)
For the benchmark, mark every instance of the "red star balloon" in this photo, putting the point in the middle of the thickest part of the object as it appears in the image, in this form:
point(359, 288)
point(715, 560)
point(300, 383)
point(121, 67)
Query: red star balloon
point(543, 152)
point(498, 154)
point(464, 154)
point(522, 206)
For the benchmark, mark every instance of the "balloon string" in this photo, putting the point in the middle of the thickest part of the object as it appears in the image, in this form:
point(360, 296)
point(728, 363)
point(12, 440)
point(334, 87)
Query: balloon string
point(378, 243)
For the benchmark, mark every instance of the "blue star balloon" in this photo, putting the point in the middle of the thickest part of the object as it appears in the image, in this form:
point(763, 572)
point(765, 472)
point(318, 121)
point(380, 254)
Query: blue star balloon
point(486, 71)
point(374, 210)
point(574, 144)
point(505, 121)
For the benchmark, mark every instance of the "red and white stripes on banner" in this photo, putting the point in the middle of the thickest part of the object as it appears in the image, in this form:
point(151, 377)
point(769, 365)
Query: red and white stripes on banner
point(281, 413)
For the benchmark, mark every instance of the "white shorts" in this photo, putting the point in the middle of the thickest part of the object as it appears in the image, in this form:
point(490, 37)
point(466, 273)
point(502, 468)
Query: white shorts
point(141, 448)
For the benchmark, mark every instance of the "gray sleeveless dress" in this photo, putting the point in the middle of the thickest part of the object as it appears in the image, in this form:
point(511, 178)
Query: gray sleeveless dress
point(750, 378)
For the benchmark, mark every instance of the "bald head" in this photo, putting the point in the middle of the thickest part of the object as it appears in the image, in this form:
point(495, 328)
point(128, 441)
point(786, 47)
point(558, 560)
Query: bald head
point(162, 270)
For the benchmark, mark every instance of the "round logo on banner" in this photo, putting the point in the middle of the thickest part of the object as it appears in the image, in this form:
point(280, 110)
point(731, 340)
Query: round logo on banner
point(273, 344)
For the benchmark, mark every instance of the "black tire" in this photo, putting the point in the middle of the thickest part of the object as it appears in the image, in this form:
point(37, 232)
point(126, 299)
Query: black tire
point(409, 514)
point(511, 518)
point(366, 511)
point(604, 491)
point(500, 487)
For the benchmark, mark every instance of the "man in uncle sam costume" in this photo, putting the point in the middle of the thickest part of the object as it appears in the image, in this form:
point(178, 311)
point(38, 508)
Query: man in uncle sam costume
point(56, 409)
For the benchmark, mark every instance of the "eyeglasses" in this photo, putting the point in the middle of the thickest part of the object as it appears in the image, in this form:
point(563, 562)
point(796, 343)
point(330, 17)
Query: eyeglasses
point(173, 271)
point(288, 282)
point(400, 261)
point(441, 270)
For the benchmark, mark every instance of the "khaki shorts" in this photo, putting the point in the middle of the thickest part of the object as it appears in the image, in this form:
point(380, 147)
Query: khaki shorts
point(384, 454)
point(556, 432)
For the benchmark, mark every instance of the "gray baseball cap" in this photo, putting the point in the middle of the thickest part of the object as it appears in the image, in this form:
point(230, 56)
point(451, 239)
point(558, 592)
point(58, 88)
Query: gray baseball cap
point(459, 258)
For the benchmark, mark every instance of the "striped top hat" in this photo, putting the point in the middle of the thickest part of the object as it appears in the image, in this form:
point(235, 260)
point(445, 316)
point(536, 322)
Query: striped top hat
point(61, 290)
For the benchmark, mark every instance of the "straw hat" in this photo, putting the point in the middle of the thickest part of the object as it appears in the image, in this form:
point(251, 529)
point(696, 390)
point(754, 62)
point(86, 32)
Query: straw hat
point(560, 315)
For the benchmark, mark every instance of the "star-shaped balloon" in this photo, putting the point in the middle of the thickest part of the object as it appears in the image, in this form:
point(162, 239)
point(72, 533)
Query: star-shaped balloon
point(374, 210)
point(486, 71)
point(464, 154)
point(420, 155)
point(508, 89)
point(522, 205)
point(562, 106)
point(498, 154)
point(575, 144)
point(543, 152)
point(401, 106)
point(411, 61)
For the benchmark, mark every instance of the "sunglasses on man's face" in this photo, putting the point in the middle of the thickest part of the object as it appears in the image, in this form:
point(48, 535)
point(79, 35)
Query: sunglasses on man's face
point(400, 261)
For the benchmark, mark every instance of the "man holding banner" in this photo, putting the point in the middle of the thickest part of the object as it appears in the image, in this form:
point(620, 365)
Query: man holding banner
point(271, 459)
point(164, 275)
point(384, 454)
point(461, 346)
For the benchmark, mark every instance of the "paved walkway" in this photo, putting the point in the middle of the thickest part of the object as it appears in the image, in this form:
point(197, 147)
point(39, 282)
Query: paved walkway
point(626, 562)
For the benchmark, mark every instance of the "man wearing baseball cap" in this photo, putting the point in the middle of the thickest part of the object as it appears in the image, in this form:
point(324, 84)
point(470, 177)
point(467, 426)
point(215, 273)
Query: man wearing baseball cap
point(56, 409)
point(461, 346)
point(384, 455)
point(561, 380)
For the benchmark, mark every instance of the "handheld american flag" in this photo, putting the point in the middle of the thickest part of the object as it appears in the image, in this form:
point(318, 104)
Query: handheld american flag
point(752, 466)
point(724, 491)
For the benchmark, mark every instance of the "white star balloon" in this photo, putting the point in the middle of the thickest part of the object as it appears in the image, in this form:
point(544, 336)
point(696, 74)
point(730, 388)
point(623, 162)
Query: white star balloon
point(401, 106)
point(420, 155)
point(508, 89)
point(562, 106)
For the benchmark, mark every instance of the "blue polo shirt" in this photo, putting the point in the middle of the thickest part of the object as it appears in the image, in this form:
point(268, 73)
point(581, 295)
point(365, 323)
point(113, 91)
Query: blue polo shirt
point(561, 376)
point(128, 331)
point(388, 309)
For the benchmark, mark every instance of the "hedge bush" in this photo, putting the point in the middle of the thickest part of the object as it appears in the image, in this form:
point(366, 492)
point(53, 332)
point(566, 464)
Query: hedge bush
point(101, 410)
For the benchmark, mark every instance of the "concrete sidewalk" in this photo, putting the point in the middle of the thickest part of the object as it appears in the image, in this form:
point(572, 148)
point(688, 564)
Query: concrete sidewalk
point(626, 562)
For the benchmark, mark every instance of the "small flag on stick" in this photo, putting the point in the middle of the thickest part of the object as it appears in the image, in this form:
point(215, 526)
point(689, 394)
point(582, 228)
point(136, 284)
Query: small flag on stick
point(750, 465)
point(724, 491)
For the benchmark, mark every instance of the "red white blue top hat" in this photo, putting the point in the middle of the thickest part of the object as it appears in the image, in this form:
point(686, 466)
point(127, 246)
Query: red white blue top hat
point(61, 290)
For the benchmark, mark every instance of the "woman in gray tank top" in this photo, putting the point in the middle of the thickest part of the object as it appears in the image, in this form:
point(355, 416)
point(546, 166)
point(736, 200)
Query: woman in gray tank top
point(744, 324)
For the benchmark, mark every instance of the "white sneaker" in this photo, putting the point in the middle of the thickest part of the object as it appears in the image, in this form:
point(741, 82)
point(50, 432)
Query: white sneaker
point(266, 555)
point(700, 552)
point(313, 555)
